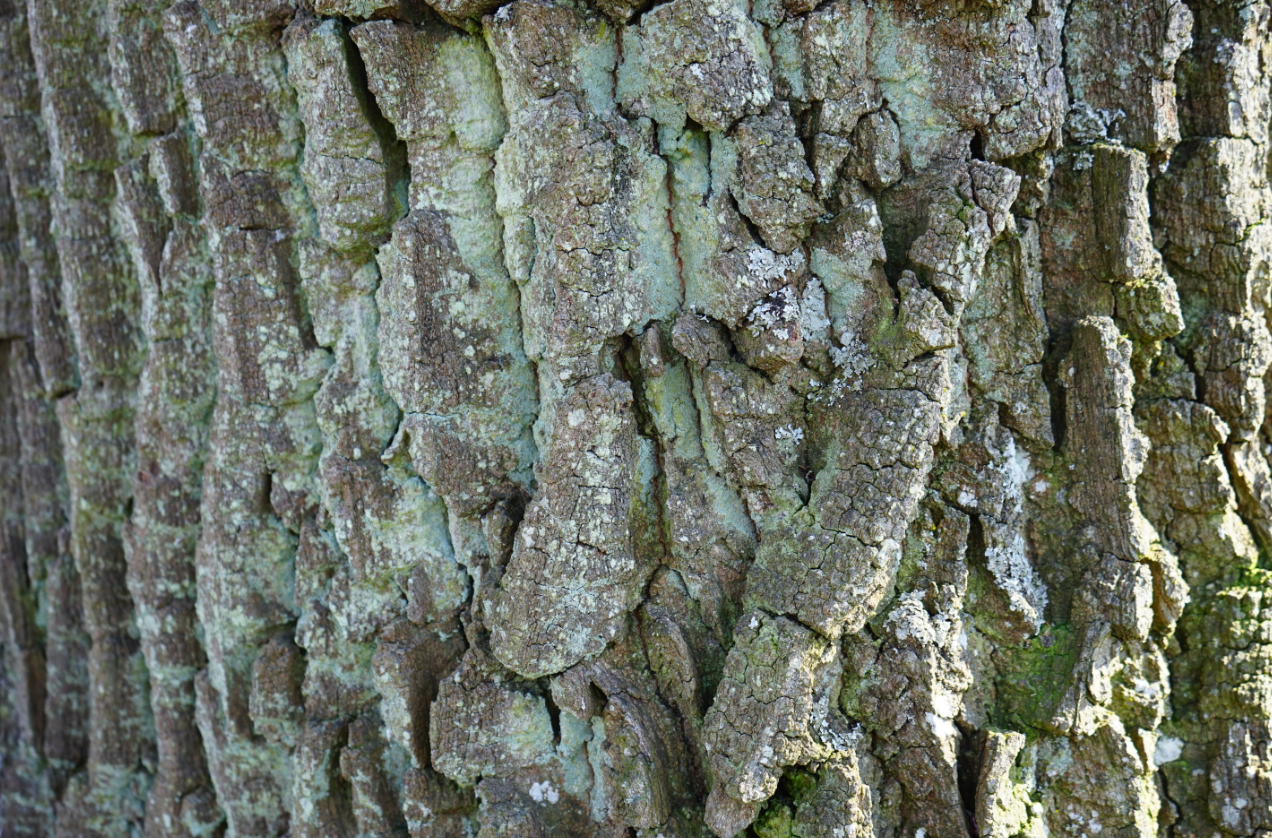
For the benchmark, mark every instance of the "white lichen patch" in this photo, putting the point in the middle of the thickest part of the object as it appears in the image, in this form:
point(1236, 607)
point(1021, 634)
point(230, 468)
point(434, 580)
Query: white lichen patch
point(1006, 552)
point(544, 793)
point(765, 265)
point(813, 316)
point(1168, 749)
point(853, 360)
point(789, 433)
point(776, 313)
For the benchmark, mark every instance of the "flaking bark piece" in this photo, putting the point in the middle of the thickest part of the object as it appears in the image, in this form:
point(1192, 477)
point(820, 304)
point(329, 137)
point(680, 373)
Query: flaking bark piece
point(574, 574)
point(774, 708)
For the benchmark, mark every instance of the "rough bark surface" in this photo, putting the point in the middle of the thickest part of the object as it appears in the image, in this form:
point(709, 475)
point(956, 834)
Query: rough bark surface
point(780, 418)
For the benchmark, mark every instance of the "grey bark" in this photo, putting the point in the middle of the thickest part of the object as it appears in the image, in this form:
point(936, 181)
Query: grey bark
point(782, 419)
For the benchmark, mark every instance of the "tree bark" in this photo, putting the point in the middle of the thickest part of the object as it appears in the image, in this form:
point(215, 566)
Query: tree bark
point(782, 419)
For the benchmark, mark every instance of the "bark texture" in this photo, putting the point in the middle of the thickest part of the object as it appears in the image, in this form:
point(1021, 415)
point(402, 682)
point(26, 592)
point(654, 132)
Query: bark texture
point(790, 419)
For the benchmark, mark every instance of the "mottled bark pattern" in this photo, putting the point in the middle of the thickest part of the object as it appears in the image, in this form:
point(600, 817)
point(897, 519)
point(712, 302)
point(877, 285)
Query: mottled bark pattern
point(787, 419)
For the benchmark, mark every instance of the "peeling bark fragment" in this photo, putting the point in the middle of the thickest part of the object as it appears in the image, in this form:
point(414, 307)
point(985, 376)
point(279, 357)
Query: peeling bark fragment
point(639, 765)
point(450, 129)
point(45, 550)
point(15, 291)
point(1241, 790)
point(773, 337)
point(848, 256)
point(1130, 597)
point(448, 337)
point(481, 726)
point(142, 67)
point(776, 184)
point(575, 570)
point(833, 564)
point(1197, 509)
point(1251, 477)
point(993, 479)
point(409, 665)
point(1150, 308)
point(543, 48)
point(703, 59)
point(774, 708)
point(511, 809)
point(841, 804)
point(23, 664)
point(376, 798)
point(593, 274)
point(407, 10)
point(1005, 361)
point(102, 300)
point(955, 232)
point(1120, 68)
point(685, 659)
point(908, 689)
point(1210, 204)
point(751, 414)
point(345, 167)
point(276, 703)
point(875, 158)
point(582, 194)
point(726, 271)
point(855, 56)
point(1071, 258)
point(434, 807)
point(1099, 778)
point(316, 777)
point(1107, 449)
point(1119, 179)
point(709, 536)
point(1230, 355)
point(1221, 86)
point(1002, 803)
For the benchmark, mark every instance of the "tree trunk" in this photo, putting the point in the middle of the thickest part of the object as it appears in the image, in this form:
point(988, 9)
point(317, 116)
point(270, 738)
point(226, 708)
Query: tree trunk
point(797, 420)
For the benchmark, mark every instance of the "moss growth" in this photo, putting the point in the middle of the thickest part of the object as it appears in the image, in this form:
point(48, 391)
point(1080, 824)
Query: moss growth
point(1034, 677)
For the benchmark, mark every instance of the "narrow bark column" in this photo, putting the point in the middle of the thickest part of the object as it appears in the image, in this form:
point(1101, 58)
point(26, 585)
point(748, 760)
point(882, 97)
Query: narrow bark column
point(31, 181)
point(26, 799)
point(1212, 206)
point(159, 215)
point(45, 370)
point(51, 573)
point(260, 495)
point(97, 419)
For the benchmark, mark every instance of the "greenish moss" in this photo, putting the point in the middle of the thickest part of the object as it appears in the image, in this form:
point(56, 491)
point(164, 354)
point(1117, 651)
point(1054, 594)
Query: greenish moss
point(774, 822)
point(798, 783)
point(1034, 677)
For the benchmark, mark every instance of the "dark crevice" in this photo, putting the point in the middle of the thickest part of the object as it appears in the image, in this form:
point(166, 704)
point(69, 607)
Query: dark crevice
point(264, 500)
point(978, 146)
point(339, 799)
point(626, 355)
point(752, 230)
point(1055, 356)
point(554, 717)
point(970, 746)
point(599, 698)
point(396, 168)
